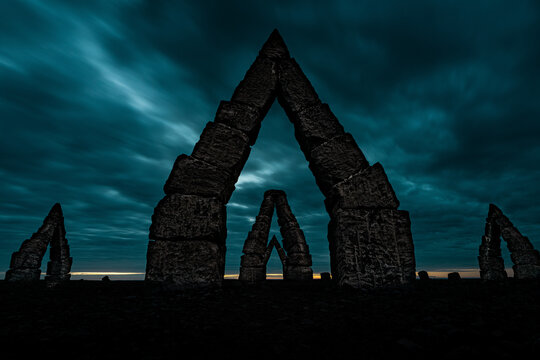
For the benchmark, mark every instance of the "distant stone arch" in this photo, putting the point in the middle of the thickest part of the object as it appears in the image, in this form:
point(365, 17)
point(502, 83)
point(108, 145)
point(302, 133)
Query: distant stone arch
point(370, 240)
point(25, 263)
point(296, 258)
point(525, 258)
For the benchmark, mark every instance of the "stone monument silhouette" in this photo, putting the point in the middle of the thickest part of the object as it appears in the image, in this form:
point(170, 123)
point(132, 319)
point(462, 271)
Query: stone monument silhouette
point(25, 263)
point(525, 258)
point(369, 239)
point(295, 256)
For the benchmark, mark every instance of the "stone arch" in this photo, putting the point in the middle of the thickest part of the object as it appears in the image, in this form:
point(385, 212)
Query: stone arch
point(25, 263)
point(369, 239)
point(525, 258)
point(296, 258)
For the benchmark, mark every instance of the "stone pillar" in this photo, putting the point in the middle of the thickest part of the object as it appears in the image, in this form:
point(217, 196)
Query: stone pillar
point(490, 257)
point(253, 262)
point(369, 239)
point(188, 231)
point(25, 263)
point(298, 262)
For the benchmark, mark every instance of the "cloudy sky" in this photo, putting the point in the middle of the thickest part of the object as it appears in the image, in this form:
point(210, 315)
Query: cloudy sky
point(98, 98)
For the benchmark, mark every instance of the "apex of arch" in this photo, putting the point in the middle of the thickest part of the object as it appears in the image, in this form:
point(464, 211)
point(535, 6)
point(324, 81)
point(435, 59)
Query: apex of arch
point(274, 47)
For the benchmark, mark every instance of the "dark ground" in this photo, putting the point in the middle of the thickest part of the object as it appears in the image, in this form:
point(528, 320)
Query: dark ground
point(128, 319)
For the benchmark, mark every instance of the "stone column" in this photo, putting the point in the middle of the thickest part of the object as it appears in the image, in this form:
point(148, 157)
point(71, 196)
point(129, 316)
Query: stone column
point(188, 231)
point(253, 262)
point(298, 262)
point(369, 239)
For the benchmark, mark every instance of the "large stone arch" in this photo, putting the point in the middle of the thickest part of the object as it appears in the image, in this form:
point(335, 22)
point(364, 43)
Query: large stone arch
point(370, 240)
point(25, 263)
point(296, 262)
point(525, 258)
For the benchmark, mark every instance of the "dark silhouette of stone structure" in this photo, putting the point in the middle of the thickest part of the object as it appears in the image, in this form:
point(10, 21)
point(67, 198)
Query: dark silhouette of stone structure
point(454, 276)
point(274, 243)
point(423, 275)
point(25, 263)
point(370, 240)
point(294, 255)
point(525, 258)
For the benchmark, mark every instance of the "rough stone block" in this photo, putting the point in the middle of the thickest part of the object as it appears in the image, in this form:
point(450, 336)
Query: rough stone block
point(526, 271)
point(59, 267)
point(185, 263)
point(255, 242)
point(25, 259)
point(189, 217)
point(262, 224)
point(365, 248)
point(292, 236)
point(258, 88)
point(315, 125)
point(297, 273)
point(252, 260)
point(191, 176)
point(525, 257)
point(241, 117)
point(405, 246)
point(295, 92)
point(224, 147)
point(252, 274)
point(299, 259)
point(369, 188)
point(23, 275)
point(335, 160)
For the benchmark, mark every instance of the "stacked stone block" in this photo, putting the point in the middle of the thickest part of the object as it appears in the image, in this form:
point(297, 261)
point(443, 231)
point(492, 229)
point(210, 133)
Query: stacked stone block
point(25, 263)
point(253, 262)
point(370, 240)
point(294, 255)
point(362, 205)
point(525, 258)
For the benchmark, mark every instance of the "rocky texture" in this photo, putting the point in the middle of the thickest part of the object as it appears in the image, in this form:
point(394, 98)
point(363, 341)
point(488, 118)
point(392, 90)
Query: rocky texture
point(223, 147)
point(525, 258)
point(258, 89)
point(371, 248)
point(335, 160)
point(423, 275)
point(25, 263)
point(201, 184)
point(185, 263)
point(295, 256)
point(253, 262)
point(241, 117)
point(189, 217)
point(314, 126)
point(191, 176)
point(367, 189)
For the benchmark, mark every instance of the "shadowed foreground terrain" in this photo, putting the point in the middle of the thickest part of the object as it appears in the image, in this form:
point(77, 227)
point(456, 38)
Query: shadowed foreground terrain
point(438, 318)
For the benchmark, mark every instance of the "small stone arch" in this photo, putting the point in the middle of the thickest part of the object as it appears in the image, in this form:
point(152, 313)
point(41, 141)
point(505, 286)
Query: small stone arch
point(25, 263)
point(370, 240)
point(525, 258)
point(295, 258)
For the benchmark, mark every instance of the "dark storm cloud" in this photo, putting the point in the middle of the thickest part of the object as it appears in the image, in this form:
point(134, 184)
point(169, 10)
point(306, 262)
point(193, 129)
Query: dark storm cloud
point(98, 98)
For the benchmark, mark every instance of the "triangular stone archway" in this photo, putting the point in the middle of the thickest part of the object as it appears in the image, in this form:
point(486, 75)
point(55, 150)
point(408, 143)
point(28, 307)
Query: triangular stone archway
point(295, 256)
point(25, 263)
point(274, 244)
point(525, 258)
point(370, 240)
